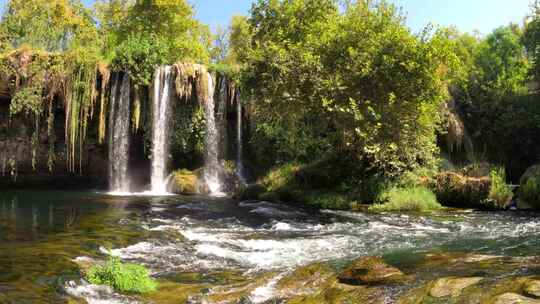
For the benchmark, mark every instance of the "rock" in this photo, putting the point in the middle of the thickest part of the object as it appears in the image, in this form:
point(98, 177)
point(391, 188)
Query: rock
point(513, 298)
point(371, 271)
point(532, 288)
point(306, 280)
point(184, 182)
point(529, 188)
point(451, 287)
point(456, 190)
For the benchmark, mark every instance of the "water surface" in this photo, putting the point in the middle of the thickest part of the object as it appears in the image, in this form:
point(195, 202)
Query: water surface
point(43, 235)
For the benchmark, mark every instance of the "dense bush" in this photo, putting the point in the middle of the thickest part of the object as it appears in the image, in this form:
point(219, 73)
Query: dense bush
point(417, 199)
point(122, 277)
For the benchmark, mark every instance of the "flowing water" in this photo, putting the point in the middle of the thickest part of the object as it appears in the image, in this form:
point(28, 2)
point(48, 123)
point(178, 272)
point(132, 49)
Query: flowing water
point(119, 119)
point(211, 164)
point(196, 240)
point(163, 86)
point(239, 145)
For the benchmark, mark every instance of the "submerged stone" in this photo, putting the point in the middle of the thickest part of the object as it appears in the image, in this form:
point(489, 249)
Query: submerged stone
point(371, 271)
point(514, 298)
point(451, 287)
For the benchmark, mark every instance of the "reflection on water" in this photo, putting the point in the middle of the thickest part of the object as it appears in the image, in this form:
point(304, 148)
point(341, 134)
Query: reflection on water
point(42, 233)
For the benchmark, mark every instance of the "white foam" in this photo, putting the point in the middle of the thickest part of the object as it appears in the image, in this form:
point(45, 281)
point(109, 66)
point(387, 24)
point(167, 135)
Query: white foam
point(266, 292)
point(95, 294)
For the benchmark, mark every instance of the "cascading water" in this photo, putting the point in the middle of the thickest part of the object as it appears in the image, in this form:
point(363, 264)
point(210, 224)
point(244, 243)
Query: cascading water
point(119, 119)
point(212, 168)
point(163, 84)
point(239, 146)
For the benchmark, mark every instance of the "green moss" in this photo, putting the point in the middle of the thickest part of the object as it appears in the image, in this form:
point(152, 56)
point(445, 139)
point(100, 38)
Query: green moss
point(418, 199)
point(130, 278)
point(456, 190)
point(184, 182)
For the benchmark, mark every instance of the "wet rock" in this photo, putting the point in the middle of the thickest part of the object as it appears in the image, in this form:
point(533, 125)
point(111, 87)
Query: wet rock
point(318, 283)
point(371, 271)
point(451, 287)
point(307, 280)
point(184, 182)
point(514, 298)
point(532, 288)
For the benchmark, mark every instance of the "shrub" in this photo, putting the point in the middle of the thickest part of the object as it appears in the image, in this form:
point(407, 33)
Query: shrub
point(122, 277)
point(500, 193)
point(453, 189)
point(529, 190)
point(407, 199)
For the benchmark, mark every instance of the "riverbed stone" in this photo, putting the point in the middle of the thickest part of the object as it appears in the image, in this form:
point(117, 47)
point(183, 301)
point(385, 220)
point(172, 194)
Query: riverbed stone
point(514, 298)
point(532, 288)
point(371, 271)
point(451, 287)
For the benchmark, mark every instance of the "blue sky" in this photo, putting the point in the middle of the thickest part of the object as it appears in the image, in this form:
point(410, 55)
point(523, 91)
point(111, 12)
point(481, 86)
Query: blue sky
point(467, 15)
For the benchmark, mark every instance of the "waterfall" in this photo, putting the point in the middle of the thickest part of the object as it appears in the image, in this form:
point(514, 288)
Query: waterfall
point(119, 118)
point(163, 84)
point(239, 146)
point(212, 168)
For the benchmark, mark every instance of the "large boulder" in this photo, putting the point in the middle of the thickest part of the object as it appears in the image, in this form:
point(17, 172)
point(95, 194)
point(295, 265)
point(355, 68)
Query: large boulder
point(371, 271)
point(456, 190)
point(529, 189)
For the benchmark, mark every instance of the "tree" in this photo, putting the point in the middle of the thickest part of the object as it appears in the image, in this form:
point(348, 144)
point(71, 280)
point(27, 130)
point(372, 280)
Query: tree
point(356, 84)
point(50, 25)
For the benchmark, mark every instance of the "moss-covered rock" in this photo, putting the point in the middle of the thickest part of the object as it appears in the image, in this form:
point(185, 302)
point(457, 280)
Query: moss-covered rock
point(513, 298)
point(371, 271)
point(456, 190)
point(184, 182)
point(451, 287)
point(532, 288)
point(529, 190)
point(318, 283)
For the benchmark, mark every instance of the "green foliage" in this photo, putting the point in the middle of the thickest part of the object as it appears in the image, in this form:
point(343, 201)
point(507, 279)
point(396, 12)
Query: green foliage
point(155, 32)
point(418, 199)
point(55, 25)
point(529, 190)
point(129, 278)
point(321, 87)
point(140, 55)
point(500, 193)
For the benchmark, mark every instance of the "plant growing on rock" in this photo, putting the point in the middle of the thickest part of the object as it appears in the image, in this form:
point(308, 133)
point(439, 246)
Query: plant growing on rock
point(129, 278)
point(500, 193)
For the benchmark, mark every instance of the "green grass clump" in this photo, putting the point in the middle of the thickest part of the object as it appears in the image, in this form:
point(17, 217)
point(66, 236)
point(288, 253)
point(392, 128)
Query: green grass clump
point(500, 193)
point(417, 199)
point(129, 278)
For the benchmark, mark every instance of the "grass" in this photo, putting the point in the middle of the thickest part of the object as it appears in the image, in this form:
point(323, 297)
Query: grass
point(500, 193)
point(130, 278)
point(418, 199)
